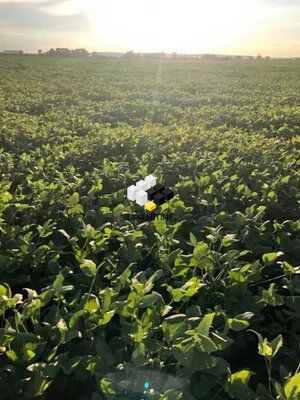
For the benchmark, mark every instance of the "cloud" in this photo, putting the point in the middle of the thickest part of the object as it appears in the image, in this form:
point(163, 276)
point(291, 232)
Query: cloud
point(65, 7)
point(29, 16)
point(30, 40)
point(144, 24)
point(24, 1)
point(280, 3)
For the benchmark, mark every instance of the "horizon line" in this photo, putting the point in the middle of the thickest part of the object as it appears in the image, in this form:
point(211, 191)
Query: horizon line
point(151, 52)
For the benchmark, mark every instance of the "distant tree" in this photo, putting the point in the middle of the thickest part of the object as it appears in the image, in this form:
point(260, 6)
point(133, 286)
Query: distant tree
point(80, 52)
point(40, 52)
point(209, 56)
point(63, 51)
point(129, 54)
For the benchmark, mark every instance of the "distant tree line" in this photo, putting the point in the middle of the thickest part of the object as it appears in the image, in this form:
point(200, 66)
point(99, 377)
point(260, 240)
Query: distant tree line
point(63, 51)
point(175, 55)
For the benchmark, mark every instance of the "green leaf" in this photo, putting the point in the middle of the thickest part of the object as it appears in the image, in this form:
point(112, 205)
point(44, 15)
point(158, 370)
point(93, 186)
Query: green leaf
point(91, 303)
point(12, 355)
point(193, 240)
point(228, 240)
point(174, 326)
point(292, 387)
point(221, 340)
point(64, 233)
point(200, 250)
point(172, 394)
point(188, 290)
point(38, 385)
point(288, 268)
point(276, 344)
point(152, 299)
point(270, 258)
point(200, 362)
point(267, 349)
point(118, 210)
point(205, 344)
point(206, 323)
point(238, 385)
point(72, 200)
point(160, 225)
point(58, 283)
point(271, 297)
point(77, 209)
point(242, 376)
point(107, 317)
point(75, 317)
point(138, 355)
point(237, 324)
point(88, 267)
point(106, 387)
point(3, 290)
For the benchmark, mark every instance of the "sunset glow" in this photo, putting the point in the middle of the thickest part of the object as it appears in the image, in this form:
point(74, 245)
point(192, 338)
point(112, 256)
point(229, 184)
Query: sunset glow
point(190, 26)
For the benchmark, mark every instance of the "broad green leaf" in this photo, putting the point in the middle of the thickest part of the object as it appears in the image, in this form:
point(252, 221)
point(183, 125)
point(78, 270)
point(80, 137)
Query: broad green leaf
point(58, 283)
point(238, 385)
point(160, 225)
point(205, 324)
point(193, 239)
point(12, 355)
point(107, 317)
point(77, 209)
point(237, 324)
point(106, 387)
point(270, 258)
point(200, 362)
point(72, 200)
point(3, 290)
point(152, 299)
point(188, 290)
point(200, 250)
point(265, 349)
point(174, 326)
point(75, 316)
point(88, 267)
point(91, 303)
point(221, 340)
point(242, 376)
point(292, 388)
point(118, 210)
point(205, 344)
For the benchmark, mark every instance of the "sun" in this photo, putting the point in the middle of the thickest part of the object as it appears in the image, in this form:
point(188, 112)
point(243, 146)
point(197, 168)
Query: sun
point(190, 26)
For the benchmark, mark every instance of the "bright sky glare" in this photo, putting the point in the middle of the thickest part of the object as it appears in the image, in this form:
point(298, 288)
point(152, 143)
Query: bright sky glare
point(270, 27)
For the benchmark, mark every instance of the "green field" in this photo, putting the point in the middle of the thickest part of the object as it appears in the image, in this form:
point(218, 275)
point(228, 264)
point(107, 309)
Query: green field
point(206, 288)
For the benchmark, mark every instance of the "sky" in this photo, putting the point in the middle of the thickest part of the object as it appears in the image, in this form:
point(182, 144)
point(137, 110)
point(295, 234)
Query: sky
point(246, 27)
